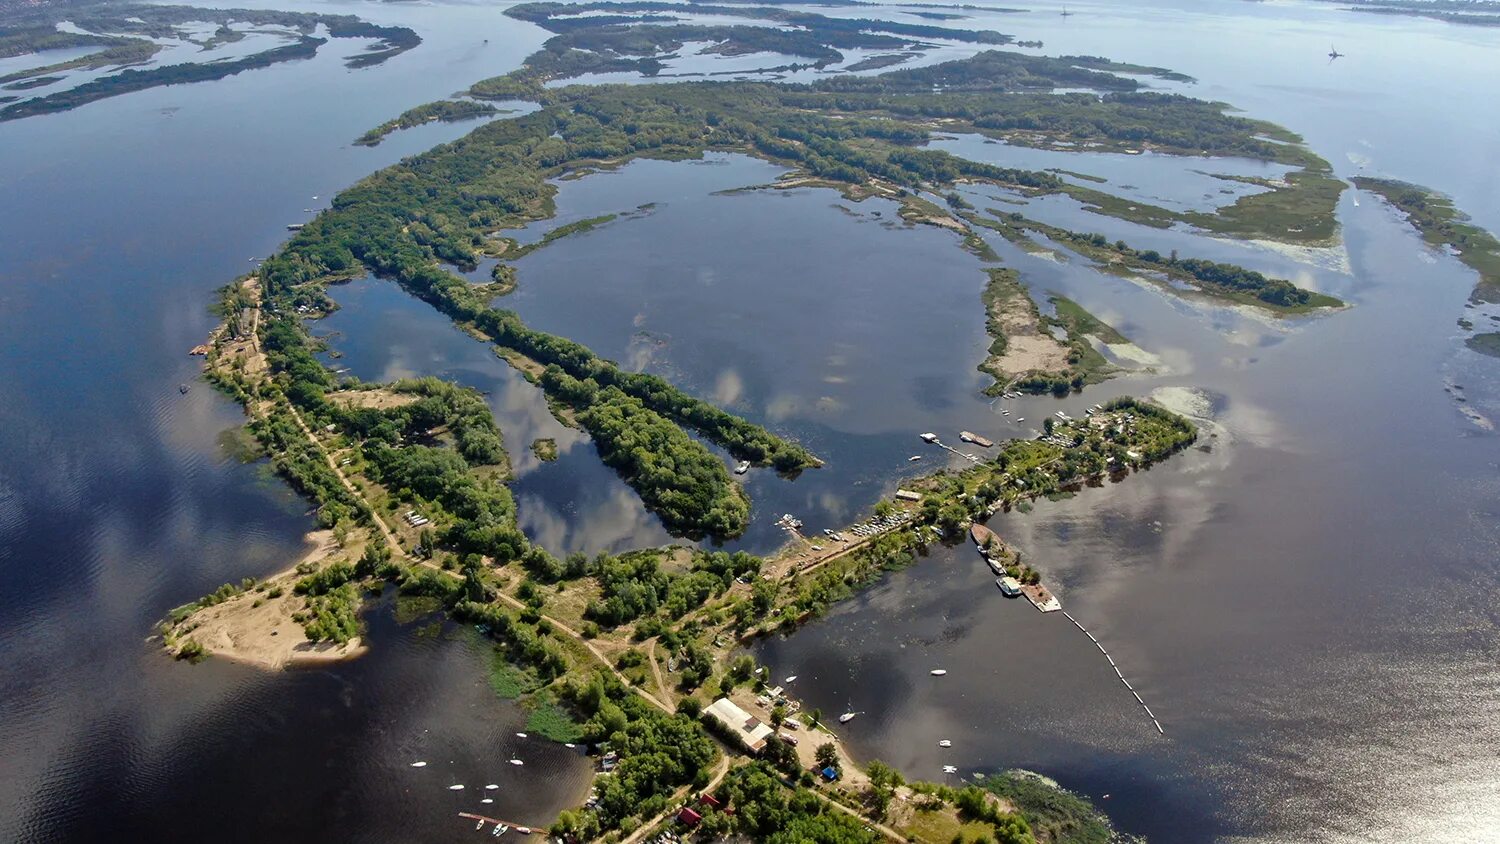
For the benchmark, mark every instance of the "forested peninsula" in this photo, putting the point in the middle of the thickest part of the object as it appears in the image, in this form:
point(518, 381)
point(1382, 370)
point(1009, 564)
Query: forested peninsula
point(409, 477)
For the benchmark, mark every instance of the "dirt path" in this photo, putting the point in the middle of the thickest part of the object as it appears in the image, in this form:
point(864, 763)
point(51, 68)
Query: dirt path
point(661, 682)
point(647, 827)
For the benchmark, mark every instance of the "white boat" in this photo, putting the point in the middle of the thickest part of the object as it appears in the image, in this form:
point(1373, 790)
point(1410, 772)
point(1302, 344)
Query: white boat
point(491, 787)
point(847, 717)
point(938, 672)
point(945, 743)
point(914, 458)
point(791, 679)
point(419, 764)
point(520, 735)
point(950, 769)
point(1009, 586)
point(480, 824)
point(516, 762)
point(500, 829)
point(486, 800)
point(455, 788)
point(742, 467)
point(1061, 415)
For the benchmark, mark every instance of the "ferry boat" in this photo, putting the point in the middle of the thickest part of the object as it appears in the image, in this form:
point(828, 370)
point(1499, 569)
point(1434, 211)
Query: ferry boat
point(1009, 586)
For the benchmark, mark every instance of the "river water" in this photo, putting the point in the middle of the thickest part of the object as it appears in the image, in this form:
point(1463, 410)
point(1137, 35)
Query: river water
point(1308, 603)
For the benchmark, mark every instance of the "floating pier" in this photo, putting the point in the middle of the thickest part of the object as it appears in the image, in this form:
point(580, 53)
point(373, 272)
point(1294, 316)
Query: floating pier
point(1118, 673)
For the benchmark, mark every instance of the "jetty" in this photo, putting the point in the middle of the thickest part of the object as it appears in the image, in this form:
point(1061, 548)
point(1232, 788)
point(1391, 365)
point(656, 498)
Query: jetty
point(484, 819)
point(932, 439)
point(970, 437)
point(1000, 557)
point(1155, 723)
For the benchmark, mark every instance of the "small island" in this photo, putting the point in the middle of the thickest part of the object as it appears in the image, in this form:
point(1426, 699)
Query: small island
point(545, 449)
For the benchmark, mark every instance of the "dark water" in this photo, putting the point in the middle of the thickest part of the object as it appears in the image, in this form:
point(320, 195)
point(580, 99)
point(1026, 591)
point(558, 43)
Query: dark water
point(1309, 606)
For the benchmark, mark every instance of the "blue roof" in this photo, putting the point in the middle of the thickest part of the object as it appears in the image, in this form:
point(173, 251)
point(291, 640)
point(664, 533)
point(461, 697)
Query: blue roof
point(830, 773)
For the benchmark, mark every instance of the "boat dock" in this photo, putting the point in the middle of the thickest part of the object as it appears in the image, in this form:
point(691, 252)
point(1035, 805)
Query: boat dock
point(484, 819)
point(933, 439)
point(1118, 673)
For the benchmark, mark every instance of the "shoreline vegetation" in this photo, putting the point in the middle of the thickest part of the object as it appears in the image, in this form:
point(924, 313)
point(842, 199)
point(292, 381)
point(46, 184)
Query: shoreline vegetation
point(409, 477)
point(1228, 282)
point(128, 35)
point(1442, 225)
point(446, 111)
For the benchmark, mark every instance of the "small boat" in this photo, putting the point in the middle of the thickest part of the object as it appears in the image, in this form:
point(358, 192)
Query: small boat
point(479, 825)
point(995, 566)
point(914, 458)
point(486, 800)
point(500, 829)
point(1009, 586)
point(1061, 415)
point(183, 388)
point(945, 743)
point(294, 227)
point(790, 679)
point(742, 467)
point(491, 787)
point(524, 830)
point(455, 788)
point(950, 769)
point(516, 762)
point(938, 672)
point(569, 744)
point(847, 717)
point(419, 764)
point(520, 735)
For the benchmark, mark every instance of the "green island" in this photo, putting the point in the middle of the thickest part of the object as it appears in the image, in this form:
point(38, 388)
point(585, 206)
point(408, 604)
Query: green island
point(447, 111)
point(1441, 224)
point(1228, 282)
point(409, 478)
point(126, 33)
point(1024, 354)
point(1465, 12)
point(545, 449)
